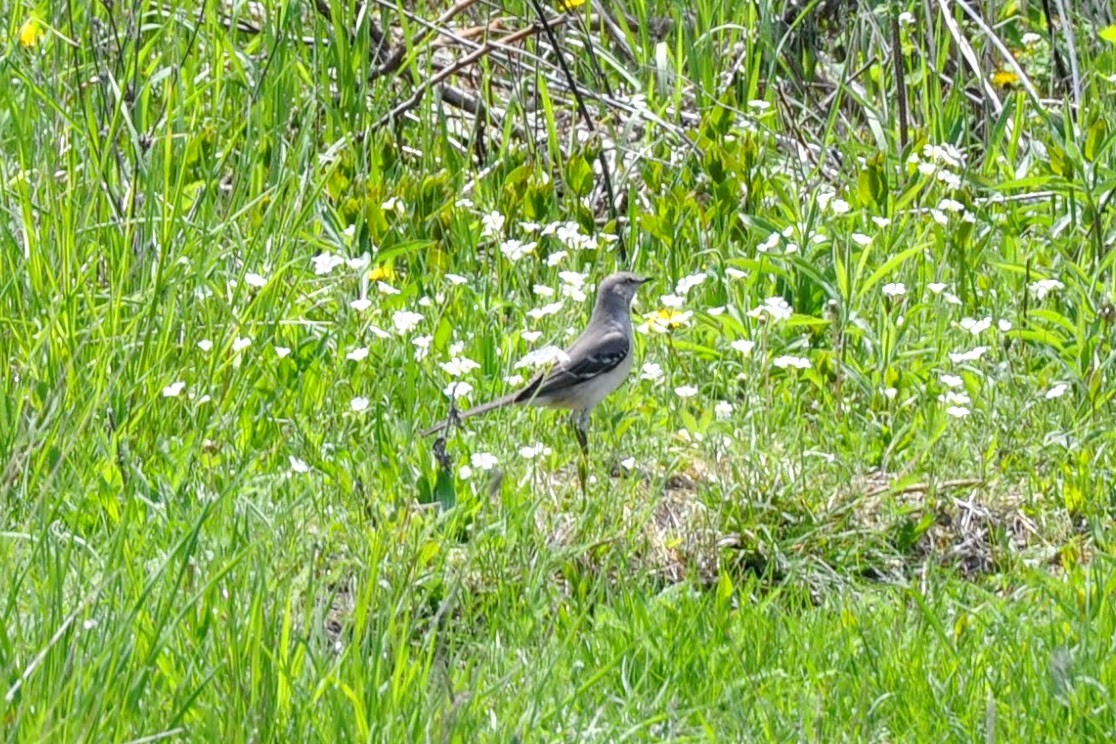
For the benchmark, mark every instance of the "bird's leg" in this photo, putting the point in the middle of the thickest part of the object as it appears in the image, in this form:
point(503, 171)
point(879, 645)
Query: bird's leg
point(581, 430)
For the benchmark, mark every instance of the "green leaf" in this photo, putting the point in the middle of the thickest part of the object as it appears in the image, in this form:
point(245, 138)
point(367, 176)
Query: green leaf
point(579, 175)
point(1108, 34)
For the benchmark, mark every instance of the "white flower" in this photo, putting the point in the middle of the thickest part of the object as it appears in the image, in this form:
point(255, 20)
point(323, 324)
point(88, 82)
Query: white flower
point(556, 258)
point(465, 472)
point(906, 19)
point(895, 289)
point(455, 279)
point(651, 371)
point(357, 354)
point(531, 336)
point(976, 327)
point(628, 463)
point(782, 362)
point(360, 305)
point(862, 240)
point(386, 288)
point(326, 262)
point(890, 393)
point(570, 234)
point(282, 351)
point(513, 380)
point(951, 398)
point(514, 250)
point(1057, 391)
point(492, 223)
point(456, 348)
point(939, 217)
point(360, 263)
point(734, 273)
point(483, 460)
point(936, 287)
point(378, 332)
point(359, 404)
point(572, 278)
point(685, 391)
point(686, 283)
point(1004, 325)
point(542, 312)
point(532, 451)
point(255, 280)
point(458, 366)
point(953, 381)
point(715, 311)
point(422, 346)
point(174, 389)
point(1043, 287)
point(958, 411)
point(672, 301)
point(205, 344)
point(839, 206)
point(1030, 39)
point(394, 204)
point(241, 343)
point(774, 307)
point(542, 357)
point(457, 390)
point(542, 290)
point(951, 299)
point(297, 465)
point(577, 294)
point(951, 205)
point(405, 320)
point(968, 356)
point(743, 345)
point(770, 244)
point(723, 409)
point(881, 222)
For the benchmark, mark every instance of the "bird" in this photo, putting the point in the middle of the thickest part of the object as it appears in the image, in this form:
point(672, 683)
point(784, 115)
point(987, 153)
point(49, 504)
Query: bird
point(593, 366)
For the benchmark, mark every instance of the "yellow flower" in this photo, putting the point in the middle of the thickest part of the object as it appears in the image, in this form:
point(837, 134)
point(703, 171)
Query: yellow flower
point(30, 32)
point(668, 318)
point(380, 273)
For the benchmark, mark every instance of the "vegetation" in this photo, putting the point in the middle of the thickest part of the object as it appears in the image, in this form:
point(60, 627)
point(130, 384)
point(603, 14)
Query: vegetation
point(858, 487)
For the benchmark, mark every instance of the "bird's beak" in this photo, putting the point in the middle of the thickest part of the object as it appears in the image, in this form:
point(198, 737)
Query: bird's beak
point(644, 279)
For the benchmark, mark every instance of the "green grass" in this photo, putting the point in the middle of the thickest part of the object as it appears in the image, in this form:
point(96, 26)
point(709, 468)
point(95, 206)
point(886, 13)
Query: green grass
point(218, 521)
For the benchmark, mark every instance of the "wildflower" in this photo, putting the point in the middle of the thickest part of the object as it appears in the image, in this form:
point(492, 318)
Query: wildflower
point(378, 332)
point(455, 279)
point(359, 404)
point(906, 19)
point(326, 262)
point(513, 380)
point(514, 250)
point(734, 273)
point(685, 391)
point(686, 283)
point(743, 345)
point(662, 321)
point(458, 366)
point(422, 346)
point(241, 343)
point(531, 336)
point(895, 289)
point(951, 299)
point(386, 289)
point(1057, 391)
point(542, 290)
point(542, 357)
point(1043, 287)
point(953, 381)
point(492, 223)
point(556, 258)
point(881, 222)
point(954, 399)
point(542, 312)
point(968, 356)
point(30, 33)
point(862, 240)
point(174, 389)
point(839, 207)
point(483, 460)
point(715, 311)
point(651, 371)
point(205, 344)
point(405, 320)
point(530, 452)
point(379, 273)
point(1004, 325)
point(776, 308)
point(465, 472)
point(358, 354)
point(723, 409)
point(936, 287)
point(457, 389)
point(1030, 39)
point(255, 280)
point(770, 244)
point(672, 301)
point(958, 411)
point(394, 204)
point(282, 351)
point(976, 327)
point(297, 465)
point(951, 205)
point(783, 362)
point(361, 304)
point(572, 278)
point(890, 393)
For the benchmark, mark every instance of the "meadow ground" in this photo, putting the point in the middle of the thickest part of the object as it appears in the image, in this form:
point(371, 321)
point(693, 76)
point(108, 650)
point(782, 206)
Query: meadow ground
point(859, 485)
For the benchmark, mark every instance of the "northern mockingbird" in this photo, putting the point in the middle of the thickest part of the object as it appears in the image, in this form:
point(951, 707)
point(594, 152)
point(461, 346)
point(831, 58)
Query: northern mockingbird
point(593, 366)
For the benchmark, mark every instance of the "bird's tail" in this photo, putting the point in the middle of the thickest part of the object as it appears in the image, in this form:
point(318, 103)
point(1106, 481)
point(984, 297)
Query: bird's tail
point(491, 405)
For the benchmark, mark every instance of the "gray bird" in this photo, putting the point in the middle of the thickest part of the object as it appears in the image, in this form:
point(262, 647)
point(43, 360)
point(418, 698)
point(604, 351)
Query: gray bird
point(596, 363)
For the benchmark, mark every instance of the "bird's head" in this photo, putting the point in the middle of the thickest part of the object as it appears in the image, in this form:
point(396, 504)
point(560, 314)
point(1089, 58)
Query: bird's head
point(619, 289)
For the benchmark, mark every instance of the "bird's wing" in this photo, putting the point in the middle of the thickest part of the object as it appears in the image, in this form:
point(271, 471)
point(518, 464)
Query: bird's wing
point(590, 355)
